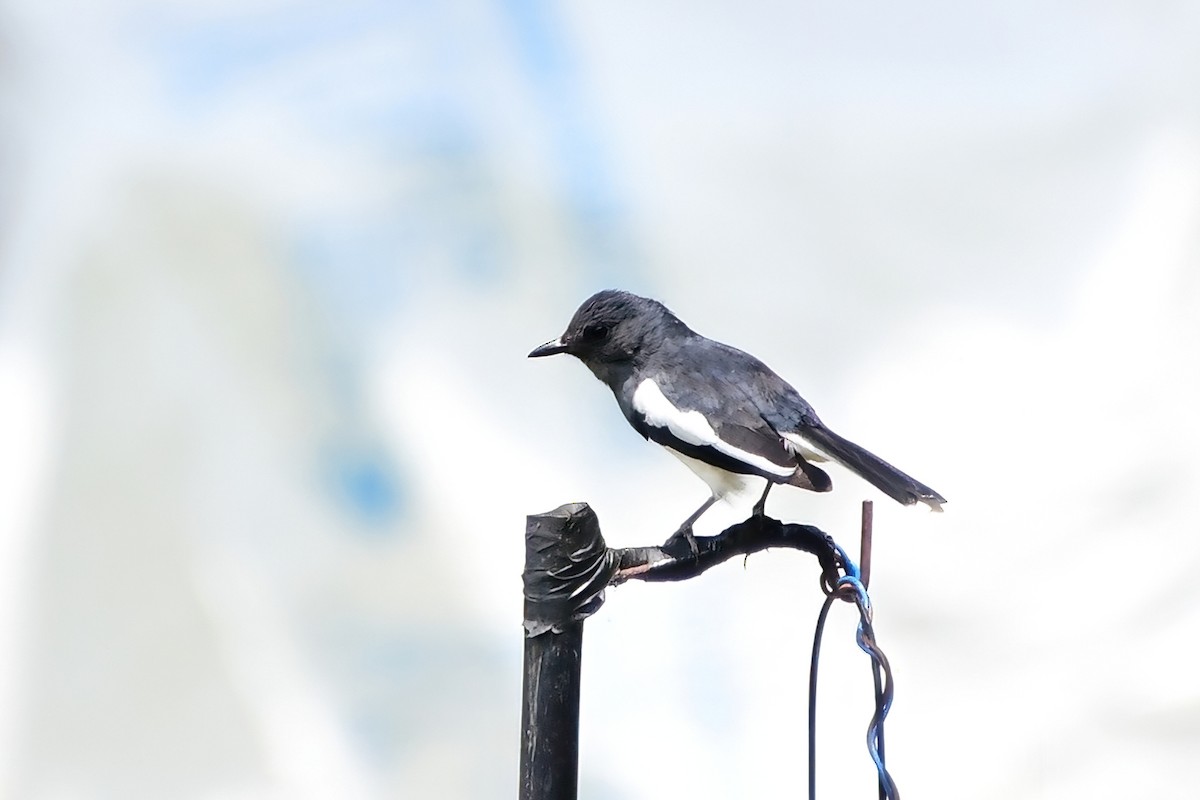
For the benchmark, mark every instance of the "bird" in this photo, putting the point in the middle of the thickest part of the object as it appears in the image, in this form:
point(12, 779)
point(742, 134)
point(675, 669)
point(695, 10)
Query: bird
point(721, 411)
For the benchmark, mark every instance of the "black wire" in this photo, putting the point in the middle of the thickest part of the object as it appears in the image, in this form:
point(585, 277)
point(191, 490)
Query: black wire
point(812, 696)
point(884, 691)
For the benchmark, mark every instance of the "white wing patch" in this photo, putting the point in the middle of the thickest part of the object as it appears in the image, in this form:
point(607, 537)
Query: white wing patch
point(693, 428)
point(801, 446)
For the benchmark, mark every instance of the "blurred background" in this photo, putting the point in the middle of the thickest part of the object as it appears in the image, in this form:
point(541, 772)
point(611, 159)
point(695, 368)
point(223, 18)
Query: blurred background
point(268, 275)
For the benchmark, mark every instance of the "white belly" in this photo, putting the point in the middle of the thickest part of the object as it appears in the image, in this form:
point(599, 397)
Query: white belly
point(731, 487)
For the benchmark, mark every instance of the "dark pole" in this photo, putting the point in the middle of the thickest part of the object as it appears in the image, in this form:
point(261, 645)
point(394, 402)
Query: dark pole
point(550, 715)
point(567, 567)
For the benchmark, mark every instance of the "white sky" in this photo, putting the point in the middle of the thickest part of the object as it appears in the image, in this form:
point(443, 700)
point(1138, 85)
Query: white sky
point(268, 273)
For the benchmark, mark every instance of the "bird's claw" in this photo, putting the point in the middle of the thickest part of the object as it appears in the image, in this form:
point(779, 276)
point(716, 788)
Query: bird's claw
point(684, 534)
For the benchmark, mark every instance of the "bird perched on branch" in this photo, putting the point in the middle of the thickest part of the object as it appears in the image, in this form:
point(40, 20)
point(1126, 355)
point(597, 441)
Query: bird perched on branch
point(720, 411)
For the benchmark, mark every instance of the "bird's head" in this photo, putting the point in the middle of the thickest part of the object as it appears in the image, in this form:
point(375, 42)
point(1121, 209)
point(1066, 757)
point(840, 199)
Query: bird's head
point(611, 327)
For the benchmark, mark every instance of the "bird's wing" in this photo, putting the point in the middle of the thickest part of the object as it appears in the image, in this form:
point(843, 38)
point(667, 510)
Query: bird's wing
point(733, 440)
point(703, 417)
point(807, 438)
point(715, 403)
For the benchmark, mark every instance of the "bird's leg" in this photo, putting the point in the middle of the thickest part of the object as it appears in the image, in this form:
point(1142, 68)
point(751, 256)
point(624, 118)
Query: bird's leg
point(685, 530)
point(760, 508)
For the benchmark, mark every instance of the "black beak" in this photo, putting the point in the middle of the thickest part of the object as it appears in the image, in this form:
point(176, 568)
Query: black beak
point(548, 349)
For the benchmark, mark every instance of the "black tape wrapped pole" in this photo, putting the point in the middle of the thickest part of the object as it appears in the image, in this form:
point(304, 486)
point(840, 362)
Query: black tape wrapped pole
point(567, 566)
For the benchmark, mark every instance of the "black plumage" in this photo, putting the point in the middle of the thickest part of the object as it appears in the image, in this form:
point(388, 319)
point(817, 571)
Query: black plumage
point(723, 411)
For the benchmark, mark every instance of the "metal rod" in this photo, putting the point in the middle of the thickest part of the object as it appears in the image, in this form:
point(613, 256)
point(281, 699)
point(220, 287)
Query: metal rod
point(864, 560)
point(864, 551)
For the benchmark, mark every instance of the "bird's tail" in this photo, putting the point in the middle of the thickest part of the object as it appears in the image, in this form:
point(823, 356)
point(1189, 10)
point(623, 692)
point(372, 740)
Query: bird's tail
point(889, 480)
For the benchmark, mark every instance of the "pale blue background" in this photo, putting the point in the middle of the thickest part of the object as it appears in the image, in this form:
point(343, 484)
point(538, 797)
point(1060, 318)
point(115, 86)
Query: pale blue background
point(268, 274)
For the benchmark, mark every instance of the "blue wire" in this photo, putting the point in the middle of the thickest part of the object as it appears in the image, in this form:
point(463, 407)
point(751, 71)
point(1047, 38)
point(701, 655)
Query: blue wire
point(852, 579)
point(848, 564)
point(883, 696)
point(865, 638)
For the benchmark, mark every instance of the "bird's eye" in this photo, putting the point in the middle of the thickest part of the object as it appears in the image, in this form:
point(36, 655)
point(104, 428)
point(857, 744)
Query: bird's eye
point(594, 333)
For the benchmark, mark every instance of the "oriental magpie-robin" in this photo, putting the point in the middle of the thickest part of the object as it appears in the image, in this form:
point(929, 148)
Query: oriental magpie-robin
point(720, 411)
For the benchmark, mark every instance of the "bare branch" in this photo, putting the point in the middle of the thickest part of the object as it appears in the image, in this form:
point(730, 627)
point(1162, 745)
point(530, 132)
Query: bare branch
point(568, 565)
point(676, 562)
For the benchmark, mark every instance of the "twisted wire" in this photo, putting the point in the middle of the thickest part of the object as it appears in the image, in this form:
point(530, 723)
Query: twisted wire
point(850, 588)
